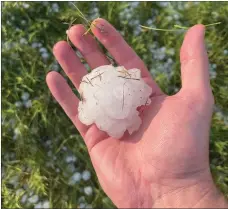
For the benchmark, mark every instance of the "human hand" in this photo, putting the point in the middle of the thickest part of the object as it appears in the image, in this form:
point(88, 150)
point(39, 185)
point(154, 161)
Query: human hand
point(166, 162)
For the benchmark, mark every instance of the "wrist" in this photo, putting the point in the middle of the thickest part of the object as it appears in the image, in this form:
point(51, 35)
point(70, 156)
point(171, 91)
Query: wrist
point(200, 194)
point(212, 199)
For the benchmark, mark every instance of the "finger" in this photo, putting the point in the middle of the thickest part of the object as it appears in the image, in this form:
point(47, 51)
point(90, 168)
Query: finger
point(87, 45)
point(194, 61)
point(70, 63)
point(119, 49)
point(66, 98)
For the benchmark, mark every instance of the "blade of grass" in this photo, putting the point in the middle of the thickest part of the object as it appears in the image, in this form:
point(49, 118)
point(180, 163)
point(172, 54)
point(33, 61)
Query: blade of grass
point(158, 29)
point(175, 26)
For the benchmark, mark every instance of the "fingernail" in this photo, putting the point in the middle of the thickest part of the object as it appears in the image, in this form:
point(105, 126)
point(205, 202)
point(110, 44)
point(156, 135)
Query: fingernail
point(98, 25)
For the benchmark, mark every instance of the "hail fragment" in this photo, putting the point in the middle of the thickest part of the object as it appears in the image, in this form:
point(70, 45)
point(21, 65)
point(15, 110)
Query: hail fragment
point(111, 96)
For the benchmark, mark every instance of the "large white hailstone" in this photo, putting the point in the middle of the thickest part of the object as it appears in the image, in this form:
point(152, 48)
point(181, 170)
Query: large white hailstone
point(110, 97)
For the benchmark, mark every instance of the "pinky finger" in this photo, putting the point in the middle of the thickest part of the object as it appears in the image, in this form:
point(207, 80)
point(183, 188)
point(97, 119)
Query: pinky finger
point(66, 98)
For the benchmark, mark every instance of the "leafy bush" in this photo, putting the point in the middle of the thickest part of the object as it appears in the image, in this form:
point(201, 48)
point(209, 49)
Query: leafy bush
point(44, 160)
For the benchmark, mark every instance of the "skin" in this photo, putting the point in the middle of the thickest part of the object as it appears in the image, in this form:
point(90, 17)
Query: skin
point(166, 162)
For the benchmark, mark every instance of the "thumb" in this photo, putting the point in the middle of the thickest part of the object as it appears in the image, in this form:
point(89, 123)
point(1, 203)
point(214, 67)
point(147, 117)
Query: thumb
point(194, 62)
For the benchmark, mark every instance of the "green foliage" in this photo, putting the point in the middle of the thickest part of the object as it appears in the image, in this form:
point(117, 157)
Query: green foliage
point(37, 137)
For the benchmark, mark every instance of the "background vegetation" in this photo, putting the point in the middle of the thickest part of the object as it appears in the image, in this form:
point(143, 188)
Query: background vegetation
point(44, 160)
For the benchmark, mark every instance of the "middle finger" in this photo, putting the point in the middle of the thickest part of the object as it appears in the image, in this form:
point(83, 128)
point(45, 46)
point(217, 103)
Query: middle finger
point(88, 47)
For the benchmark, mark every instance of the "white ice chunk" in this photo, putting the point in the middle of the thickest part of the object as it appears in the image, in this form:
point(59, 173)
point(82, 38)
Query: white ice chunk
point(110, 97)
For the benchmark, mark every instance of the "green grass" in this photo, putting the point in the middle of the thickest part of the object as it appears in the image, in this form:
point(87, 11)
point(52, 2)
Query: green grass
point(37, 139)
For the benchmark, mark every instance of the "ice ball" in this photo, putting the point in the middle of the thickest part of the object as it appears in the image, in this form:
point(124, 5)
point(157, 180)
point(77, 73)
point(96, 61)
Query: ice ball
point(110, 97)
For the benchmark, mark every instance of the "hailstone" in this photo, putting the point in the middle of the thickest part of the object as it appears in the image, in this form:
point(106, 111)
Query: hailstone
point(110, 97)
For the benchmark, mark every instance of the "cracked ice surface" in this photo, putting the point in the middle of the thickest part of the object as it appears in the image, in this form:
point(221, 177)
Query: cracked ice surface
point(110, 97)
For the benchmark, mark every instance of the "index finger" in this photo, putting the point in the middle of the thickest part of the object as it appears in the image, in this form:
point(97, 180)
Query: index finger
point(120, 50)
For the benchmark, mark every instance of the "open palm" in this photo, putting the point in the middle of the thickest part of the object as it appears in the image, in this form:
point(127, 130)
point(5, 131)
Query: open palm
point(169, 154)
